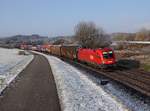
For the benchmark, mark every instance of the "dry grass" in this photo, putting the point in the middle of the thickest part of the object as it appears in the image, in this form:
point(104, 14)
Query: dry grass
point(138, 55)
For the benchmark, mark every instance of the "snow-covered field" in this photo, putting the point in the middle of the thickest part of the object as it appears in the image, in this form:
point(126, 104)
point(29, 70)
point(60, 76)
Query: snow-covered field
point(11, 64)
point(77, 92)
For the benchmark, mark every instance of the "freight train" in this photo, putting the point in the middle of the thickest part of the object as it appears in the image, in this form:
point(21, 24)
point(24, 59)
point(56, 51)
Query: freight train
point(100, 57)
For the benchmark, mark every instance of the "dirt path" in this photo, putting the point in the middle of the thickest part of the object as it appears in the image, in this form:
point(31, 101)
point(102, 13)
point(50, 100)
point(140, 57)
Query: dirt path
point(33, 90)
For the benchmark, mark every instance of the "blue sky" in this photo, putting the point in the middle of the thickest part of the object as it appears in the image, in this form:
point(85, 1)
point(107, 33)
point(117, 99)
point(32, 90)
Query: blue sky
point(58, 17)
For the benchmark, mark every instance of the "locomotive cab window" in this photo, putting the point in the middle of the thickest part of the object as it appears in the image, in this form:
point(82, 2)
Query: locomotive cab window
point(108, 55)
point(105, 55)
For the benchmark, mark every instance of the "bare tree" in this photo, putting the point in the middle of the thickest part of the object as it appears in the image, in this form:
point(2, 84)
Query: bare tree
point(90, 36)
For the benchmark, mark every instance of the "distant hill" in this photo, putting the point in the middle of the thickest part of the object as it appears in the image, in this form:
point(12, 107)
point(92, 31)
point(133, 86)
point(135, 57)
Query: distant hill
point(24, 38)
point(15, 41)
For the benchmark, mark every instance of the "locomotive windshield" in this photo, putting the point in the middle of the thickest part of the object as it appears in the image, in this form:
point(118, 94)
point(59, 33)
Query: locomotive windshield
point(108, 55)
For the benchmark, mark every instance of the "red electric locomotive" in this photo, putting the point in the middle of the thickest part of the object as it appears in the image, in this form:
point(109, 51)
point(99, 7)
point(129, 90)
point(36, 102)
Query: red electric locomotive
point(98, 57)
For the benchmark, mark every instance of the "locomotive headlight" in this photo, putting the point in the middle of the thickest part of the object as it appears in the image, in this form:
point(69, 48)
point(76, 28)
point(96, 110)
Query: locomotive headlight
point(103, 62)
point(104, 52)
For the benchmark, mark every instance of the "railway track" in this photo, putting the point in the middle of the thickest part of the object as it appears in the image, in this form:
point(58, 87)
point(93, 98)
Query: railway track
point(135, 79)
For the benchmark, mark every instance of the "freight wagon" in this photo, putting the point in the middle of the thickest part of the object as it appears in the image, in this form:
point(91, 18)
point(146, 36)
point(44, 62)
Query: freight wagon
point(69, 52)
point(100, 57)
point(55, 50)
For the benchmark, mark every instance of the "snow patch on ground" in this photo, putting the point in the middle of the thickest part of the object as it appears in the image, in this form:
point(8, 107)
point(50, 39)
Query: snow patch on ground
point(133, 100)
point(11, 64)
point(77, 92)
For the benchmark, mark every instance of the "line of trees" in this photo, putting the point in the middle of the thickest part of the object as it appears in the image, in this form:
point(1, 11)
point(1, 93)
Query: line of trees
point(141, 35)
point(88, 35)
